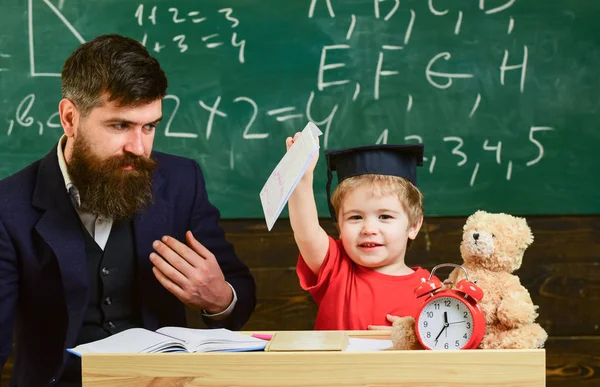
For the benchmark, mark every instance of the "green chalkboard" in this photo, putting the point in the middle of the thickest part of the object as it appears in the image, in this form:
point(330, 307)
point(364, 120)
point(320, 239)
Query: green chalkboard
point(505, 94)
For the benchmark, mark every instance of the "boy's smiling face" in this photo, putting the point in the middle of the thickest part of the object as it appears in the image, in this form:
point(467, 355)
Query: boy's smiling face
point(375, 229)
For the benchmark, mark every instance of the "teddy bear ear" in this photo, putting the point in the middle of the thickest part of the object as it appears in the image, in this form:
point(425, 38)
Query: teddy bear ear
point(529, 240)
point(471, 218)
point(475, 214)
point(525, 231)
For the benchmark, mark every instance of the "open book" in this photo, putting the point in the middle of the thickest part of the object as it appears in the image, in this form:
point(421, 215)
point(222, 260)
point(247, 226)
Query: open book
point(284, 178)
point(172, 339)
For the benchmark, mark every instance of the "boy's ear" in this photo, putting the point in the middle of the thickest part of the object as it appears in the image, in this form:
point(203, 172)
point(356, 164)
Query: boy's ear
point(414, 229)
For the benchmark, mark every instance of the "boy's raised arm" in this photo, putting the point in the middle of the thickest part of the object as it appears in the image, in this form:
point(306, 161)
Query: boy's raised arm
point(310, 237)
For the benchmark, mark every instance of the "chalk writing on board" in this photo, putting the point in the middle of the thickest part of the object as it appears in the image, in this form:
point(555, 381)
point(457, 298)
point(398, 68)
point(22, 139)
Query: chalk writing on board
point(434, 77)
point(475, 105)
point(462, 158)
point(335, 71)
point(24, 119)
point(4, 61)
point(430, 74)
point(168, 132)
point(435, 74)
point(180, 42)
point(31, 31)
point(285, 117)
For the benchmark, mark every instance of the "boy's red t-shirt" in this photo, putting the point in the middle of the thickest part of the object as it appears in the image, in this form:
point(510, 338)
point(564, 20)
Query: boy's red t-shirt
point(351, 297)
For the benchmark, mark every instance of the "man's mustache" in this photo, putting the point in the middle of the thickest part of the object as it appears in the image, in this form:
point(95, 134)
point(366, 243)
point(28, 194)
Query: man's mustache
point(141, 163)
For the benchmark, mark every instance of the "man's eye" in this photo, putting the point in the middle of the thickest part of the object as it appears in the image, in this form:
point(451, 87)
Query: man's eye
point(119, 126)
point(150, 127)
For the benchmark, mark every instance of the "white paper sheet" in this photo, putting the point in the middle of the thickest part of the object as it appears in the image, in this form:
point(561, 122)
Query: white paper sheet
point(290, 169)
point(357, 344)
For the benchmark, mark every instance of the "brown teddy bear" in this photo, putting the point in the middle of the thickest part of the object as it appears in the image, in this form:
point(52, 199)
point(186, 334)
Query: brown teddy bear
point(492, 248)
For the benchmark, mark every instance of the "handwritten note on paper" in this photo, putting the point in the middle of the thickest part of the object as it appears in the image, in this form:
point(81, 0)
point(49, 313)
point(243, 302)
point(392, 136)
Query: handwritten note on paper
point(284, 178)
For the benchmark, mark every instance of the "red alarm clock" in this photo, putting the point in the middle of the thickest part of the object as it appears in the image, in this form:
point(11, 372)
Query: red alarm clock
point(449, 318)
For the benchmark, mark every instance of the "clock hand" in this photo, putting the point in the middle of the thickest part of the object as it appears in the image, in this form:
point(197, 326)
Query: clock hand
point(444, 328)
point(457, 322)
point(439, 334)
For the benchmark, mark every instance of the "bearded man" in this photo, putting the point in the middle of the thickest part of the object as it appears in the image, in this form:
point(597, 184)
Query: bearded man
point(103, 234)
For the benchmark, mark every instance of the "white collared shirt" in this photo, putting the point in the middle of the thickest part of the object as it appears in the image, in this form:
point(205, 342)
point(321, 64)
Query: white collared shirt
point(99, 227)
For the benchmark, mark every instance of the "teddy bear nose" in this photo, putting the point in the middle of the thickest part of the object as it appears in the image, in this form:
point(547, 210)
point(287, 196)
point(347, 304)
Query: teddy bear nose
point(476, 236)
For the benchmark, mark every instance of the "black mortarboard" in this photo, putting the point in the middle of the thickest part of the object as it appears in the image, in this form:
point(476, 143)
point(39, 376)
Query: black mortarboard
point(387, 159)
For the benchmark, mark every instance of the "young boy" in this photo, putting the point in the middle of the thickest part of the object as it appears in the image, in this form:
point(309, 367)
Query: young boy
point(361, 281)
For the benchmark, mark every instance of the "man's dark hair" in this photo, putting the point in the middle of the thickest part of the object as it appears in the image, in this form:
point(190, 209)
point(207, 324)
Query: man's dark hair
point(114, 65)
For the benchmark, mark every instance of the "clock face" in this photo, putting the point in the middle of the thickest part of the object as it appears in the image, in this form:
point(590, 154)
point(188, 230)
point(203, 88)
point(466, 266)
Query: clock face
point(445, 323)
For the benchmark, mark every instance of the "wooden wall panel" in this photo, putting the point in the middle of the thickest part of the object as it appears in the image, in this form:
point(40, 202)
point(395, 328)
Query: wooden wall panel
point(573, 361)
point(557, 240)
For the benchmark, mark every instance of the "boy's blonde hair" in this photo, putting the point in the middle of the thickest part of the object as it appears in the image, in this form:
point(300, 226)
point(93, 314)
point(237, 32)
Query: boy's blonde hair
point(410, 197)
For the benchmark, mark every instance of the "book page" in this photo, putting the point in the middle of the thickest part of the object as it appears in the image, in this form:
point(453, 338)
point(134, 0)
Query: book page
point(207, 340)
point(284, 178)
point(135, 340)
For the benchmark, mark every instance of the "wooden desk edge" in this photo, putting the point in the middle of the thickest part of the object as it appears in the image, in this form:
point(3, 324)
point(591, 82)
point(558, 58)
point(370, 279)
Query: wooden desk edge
point(510, 367)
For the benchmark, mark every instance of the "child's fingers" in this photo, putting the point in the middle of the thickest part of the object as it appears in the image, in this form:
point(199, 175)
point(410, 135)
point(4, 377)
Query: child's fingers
point(288, 142)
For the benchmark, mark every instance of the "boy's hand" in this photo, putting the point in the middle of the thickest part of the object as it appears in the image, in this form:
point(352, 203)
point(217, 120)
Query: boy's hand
point(309, 171)
point(390, 318)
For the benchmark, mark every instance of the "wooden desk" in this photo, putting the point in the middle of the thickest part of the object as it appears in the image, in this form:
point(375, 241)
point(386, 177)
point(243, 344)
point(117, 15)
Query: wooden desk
point(327, 369)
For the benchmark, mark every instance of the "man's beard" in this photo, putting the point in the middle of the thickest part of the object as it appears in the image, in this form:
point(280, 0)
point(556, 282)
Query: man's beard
point(105, 188)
